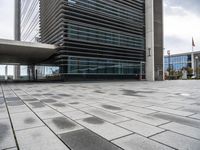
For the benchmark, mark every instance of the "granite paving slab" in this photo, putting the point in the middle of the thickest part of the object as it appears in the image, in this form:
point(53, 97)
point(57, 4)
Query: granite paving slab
point(86, 140)
point(177, 141)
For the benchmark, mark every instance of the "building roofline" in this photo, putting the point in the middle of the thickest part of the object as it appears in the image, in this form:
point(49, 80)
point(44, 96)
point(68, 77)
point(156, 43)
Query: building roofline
point(185, 53)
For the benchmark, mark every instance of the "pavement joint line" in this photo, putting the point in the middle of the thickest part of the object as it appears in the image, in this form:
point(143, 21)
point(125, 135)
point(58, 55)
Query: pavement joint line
point(47, 126)
point(80, 125)
point(181, 134)
point(29, 128)
point(164, 123)
point(74, 121)
point(123, 136)
point(192, 115)
point(11, 123)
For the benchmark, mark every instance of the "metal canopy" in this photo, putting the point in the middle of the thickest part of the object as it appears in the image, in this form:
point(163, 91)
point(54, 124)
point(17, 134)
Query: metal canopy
point(13, 52)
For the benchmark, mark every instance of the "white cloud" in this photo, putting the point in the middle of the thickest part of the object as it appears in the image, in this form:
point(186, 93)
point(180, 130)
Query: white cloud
point(7, 19)
point(180, 25)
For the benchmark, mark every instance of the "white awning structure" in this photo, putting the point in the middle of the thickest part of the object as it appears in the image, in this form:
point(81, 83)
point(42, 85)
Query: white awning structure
point(24, 52)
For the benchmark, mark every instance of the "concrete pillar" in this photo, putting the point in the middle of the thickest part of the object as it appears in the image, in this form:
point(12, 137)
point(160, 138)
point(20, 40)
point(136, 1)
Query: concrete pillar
point(17, 20)
point(6, 72)
point(193, 62)
point(16, 72)
point(149, 10)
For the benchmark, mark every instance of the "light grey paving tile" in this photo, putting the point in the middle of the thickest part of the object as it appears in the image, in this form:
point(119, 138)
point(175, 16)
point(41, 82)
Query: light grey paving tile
point(177, 141)
point(137, 142)
point(6, 135)
point(19, 109)
point(75, 115)
point(182, 120)
point(38, 106)
point(48, 114)
point(108, 116)
point(191, 108)
point(3, 113)
point(196, 116)
point(140, 109)
point(25, 120)
point(62, 125)
point(105, 129)
point(14, 148)
point(86, 140)
point(62, 107)
point(40, 138)
point(143, 118)
point(76, 104)
point(108, 107)
point(140, 128)
point(171, 111)
point(182, 129)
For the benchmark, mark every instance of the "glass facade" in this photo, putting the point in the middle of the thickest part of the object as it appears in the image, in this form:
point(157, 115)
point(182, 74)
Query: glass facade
point(96, 37)
point(81, 65)
point(178, 62)
point(30, 20)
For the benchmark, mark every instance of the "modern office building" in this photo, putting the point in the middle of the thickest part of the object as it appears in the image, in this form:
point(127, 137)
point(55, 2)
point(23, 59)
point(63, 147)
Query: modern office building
point(97, 38)
point(180, 61)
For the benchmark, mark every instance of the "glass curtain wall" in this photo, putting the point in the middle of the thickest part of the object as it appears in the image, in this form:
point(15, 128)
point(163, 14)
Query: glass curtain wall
point(30, 20)
point(178, 62)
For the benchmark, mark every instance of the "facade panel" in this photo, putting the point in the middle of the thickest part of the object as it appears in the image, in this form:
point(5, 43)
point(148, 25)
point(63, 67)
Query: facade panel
point(29, 21)
point(90, 33)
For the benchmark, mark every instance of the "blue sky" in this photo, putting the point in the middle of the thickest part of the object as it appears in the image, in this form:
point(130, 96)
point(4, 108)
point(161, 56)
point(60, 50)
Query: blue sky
point(181, 23)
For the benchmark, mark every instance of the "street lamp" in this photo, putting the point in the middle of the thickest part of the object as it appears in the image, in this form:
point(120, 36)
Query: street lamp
point(168, 52)
point(196, 58)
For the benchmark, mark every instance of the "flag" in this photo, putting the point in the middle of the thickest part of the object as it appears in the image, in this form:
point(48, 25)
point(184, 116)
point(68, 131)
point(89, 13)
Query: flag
point(193, 44)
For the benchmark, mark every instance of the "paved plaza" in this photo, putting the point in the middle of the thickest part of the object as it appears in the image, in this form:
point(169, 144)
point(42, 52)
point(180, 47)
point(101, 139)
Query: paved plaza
point(100, 116)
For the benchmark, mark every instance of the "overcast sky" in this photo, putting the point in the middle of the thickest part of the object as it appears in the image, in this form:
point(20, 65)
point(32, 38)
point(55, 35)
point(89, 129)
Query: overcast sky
point(181, 23)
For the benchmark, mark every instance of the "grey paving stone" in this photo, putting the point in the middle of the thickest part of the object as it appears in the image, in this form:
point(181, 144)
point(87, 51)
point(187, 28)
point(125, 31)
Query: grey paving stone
point(108, 107)
point(62, 107)
point(143, 118)
point(40, 138)
point(105, 129)
point(182, 120)
point(48, 100)
point(18, 109)
point(183, 129)
point(177, 141)
point(12, 99)
point(75, 115)
point(196, 116)
point(140, 109)
point(62, 125)
point(140, 128)
point(6, 135)
point(26, 120)
point(15, 103)
point(86, 140)
point(3, 113)
point(46, 114)
point(108, 116)
point(137, 142)
point(14, 148)
point(171, 111)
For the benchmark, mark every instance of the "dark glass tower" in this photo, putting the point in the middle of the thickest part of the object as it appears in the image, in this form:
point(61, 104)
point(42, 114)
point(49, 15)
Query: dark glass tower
point(96, 37)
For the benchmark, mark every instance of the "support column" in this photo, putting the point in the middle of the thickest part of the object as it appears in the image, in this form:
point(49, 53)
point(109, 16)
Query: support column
point(17, 72)
point(17, 19)
point(149, 15)
point(192, 61)
point(6, 72)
